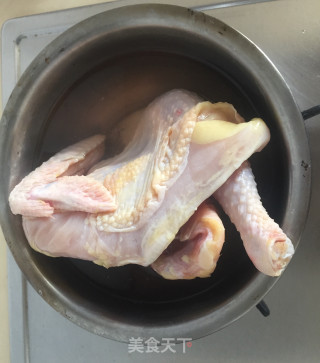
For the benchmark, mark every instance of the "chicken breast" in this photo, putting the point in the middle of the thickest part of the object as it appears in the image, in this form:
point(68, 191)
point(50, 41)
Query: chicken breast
point(129, 208)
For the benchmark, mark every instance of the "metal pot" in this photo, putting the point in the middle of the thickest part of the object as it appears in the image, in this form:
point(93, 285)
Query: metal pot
point(85, 82)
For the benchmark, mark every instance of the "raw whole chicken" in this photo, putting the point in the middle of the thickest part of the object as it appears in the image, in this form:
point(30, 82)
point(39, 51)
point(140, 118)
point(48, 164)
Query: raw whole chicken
point(148, 205)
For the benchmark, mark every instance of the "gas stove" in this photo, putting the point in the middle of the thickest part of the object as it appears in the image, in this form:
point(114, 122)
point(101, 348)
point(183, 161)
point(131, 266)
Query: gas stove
point(288, 31)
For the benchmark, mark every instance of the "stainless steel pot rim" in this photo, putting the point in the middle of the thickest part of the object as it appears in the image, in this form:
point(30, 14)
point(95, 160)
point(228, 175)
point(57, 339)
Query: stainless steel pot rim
point(155, 17)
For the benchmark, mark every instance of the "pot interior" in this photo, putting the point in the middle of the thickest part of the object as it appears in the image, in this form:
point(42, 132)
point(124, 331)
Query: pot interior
point(97, 103)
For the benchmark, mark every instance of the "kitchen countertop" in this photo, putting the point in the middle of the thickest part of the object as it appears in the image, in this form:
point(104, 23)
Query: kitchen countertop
point(302, 331)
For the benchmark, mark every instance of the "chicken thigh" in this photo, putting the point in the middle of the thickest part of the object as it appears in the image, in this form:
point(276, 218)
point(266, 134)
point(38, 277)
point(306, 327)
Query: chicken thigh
point(196, 248)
